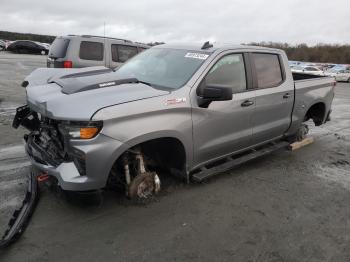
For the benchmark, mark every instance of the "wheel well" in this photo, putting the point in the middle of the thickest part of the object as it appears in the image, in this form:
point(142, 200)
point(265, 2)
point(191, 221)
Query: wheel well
point(317, 113)
point(161, 154)
point(166, 152)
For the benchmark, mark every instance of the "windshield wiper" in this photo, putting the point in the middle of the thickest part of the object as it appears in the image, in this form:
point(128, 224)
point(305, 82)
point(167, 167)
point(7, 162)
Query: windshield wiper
point(145, 83)
point(133, 80)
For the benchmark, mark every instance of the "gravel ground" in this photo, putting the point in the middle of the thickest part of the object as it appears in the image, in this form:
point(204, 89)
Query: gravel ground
point(287, 206)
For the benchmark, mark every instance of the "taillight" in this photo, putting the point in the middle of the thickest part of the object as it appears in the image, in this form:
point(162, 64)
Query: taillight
point(67, 64)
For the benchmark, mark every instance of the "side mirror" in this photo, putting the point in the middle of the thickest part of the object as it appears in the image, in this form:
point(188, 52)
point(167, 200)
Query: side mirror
point(212, 92)
point(216, 92)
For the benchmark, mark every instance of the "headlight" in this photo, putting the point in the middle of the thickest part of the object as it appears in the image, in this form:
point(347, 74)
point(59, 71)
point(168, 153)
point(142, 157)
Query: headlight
point(79, 129)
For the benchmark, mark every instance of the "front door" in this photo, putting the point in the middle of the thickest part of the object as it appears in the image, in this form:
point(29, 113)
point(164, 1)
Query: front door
point(224, 126)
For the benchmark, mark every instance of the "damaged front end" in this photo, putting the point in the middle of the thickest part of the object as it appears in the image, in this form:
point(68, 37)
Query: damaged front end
point(48, 146)
point(60, 148)
point(49, 141)
point(43, 143)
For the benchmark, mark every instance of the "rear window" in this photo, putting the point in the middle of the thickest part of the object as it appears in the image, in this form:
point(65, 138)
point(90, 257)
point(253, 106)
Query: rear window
point(91, 51)
point(59, 47)
point(268, 69)
point(122, 53)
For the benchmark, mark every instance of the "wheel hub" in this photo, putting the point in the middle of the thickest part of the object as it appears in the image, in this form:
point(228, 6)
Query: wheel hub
point(144, 185)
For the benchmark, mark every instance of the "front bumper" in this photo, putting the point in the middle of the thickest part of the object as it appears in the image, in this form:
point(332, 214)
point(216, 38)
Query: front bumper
point(100, 155)
point(21, 216)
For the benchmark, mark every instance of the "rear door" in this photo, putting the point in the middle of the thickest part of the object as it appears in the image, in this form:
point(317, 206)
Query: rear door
point(224, 127)
point(274, 97)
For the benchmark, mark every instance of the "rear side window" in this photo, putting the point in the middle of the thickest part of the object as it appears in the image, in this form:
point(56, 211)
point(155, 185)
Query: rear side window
point(268, 69)
point(58, 48)
point(91, 51)
point(121, 53)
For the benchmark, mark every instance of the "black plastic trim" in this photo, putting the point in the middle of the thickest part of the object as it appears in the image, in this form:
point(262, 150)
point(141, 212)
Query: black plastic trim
point(21, 217)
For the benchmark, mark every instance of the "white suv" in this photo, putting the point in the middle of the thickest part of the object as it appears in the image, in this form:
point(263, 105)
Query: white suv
point(74, 51)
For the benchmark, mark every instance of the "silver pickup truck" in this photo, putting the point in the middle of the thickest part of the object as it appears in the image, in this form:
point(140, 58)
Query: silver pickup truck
point(189, 111)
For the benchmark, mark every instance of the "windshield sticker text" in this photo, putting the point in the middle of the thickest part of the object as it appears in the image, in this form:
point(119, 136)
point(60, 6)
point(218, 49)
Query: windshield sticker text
point(197, 56)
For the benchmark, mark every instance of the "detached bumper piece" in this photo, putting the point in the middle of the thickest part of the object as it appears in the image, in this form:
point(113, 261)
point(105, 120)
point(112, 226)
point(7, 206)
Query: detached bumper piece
point(20, 217)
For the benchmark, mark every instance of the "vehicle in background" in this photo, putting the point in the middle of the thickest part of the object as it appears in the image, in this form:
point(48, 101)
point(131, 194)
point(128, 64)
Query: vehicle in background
point(343, 75)
point(27, 47)
point(334, 70)
point(311, 70)
point(75, 51)
point(7, 43)
point(297, 69)
point(293, 63)
point(328, 66)
point(187, 110)
point(2, 45)
point(46, 45)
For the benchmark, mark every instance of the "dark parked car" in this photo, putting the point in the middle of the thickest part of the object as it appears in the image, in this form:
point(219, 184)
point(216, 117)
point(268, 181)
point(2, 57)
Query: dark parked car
point(27, 47)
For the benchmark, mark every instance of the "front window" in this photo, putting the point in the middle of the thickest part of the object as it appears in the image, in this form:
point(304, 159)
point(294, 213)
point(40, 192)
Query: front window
point(228, 71)
point(168, 68)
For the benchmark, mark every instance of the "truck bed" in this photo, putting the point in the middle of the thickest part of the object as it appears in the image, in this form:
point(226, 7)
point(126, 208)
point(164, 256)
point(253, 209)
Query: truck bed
point(303, 76)
point(302, 80)
point(311, 90)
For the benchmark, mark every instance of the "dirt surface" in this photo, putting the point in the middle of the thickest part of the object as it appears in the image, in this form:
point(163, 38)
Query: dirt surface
point(287, 206)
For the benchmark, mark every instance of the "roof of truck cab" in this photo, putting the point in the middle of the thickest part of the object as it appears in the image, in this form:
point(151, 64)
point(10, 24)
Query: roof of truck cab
point(215, 47)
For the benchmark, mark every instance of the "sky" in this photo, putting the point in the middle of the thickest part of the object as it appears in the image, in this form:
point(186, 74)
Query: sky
point(222, 21)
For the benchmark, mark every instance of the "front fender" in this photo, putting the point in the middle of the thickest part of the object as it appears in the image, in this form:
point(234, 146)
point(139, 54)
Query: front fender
point(164, 134)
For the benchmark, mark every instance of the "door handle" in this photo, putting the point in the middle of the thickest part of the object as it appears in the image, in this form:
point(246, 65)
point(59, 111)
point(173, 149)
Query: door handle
point(286, 96)
point(247, 103)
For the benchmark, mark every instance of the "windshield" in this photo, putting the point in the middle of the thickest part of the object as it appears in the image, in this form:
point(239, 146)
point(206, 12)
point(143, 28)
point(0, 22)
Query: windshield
point(168, 68)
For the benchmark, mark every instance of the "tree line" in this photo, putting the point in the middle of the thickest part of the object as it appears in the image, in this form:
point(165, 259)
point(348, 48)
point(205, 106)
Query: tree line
point(26, 36)
point(324, 53)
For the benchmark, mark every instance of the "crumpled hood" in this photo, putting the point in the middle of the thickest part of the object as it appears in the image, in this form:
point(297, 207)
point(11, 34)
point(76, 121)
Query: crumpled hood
point(46, 96)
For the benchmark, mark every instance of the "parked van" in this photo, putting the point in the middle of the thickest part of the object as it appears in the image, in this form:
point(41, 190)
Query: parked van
point(74, 51)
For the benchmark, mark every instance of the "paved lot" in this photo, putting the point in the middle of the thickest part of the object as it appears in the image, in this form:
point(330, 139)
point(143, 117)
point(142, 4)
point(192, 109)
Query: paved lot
point(282, 207)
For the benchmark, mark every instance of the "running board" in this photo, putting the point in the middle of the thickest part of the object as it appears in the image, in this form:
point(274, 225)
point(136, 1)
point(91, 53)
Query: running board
point(230, 162)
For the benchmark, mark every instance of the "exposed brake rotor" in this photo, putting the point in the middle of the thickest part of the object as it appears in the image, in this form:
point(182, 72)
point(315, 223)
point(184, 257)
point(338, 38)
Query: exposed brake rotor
point(144, 185)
